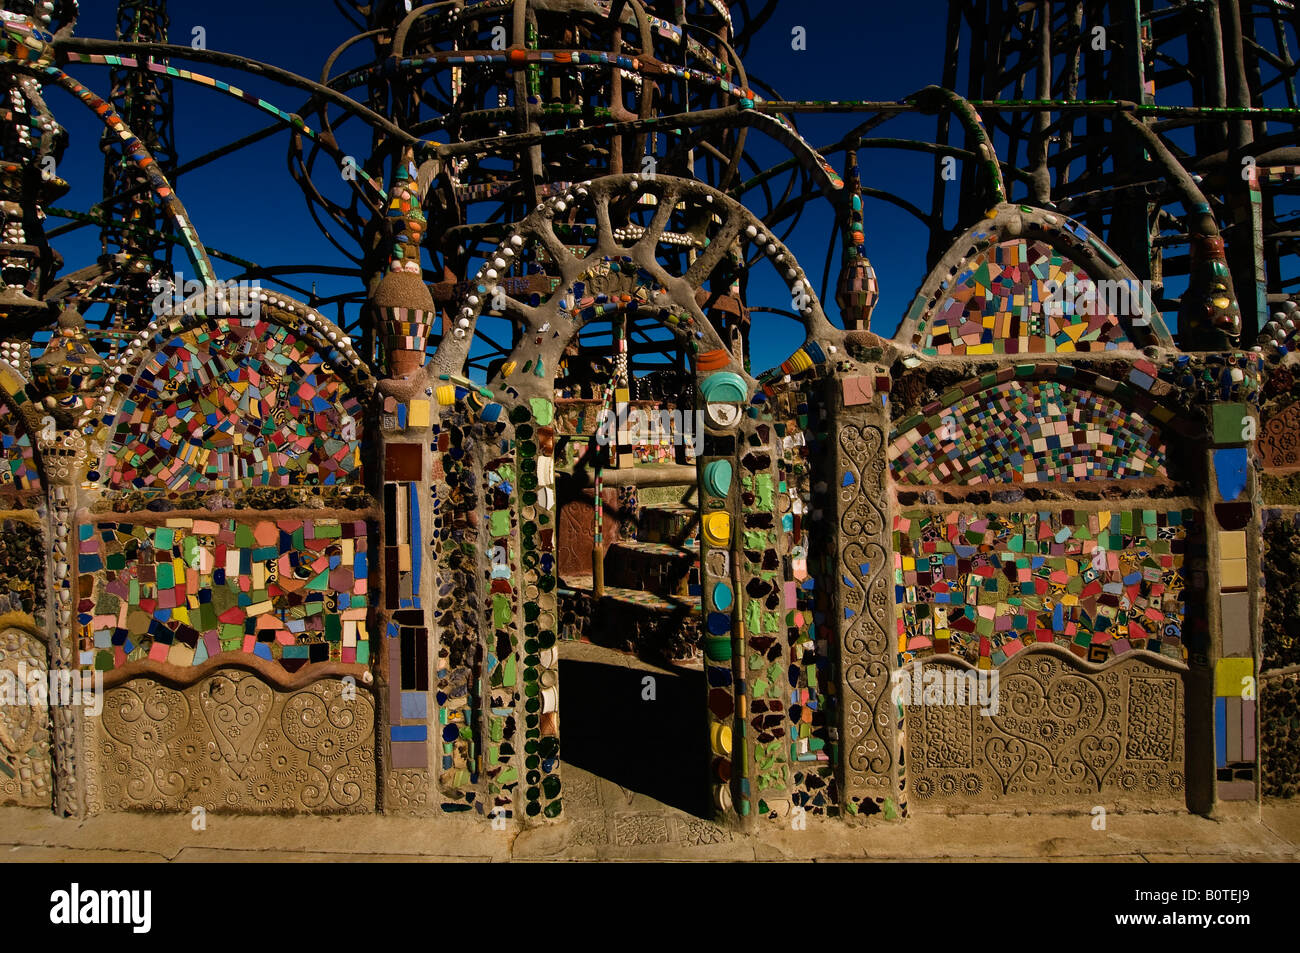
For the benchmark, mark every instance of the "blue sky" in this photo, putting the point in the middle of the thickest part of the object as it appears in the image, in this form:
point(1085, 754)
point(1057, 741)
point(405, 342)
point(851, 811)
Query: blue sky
point(248, 205)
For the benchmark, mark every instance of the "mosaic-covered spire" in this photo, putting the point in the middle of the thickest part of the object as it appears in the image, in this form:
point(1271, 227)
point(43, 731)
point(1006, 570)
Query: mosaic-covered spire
point(857, 290)
point(403, 299)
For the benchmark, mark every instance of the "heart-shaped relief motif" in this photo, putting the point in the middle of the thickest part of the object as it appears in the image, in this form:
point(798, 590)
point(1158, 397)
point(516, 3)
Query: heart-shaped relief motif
point(236, 711)
point(1006, 757)
point(1052, 713)
point(1099, 756)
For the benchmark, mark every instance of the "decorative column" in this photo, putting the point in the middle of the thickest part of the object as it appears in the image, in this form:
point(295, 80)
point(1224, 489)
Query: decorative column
point(870, 764)
point(63, 456)
point(408, 446)
point(63, 374)
point(535, 453)
point(495, 721)
point(762, 601)
point(726, 674)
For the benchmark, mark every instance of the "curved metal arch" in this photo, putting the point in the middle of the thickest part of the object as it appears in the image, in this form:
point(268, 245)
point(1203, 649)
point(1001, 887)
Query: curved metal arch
point(137, 153)
point(234, 61)
point(551, 325)
point(934, 98)
point(288, 119)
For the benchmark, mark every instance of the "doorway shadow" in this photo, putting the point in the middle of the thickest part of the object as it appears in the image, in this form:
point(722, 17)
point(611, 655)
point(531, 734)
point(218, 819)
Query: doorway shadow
point(658, 748)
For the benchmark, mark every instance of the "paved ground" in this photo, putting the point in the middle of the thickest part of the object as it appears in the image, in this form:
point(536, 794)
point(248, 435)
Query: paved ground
point(631, 808)
point(623, 825)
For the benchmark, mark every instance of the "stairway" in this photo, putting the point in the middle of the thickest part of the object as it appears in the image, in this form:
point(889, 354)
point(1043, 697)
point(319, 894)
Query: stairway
point(650, 606)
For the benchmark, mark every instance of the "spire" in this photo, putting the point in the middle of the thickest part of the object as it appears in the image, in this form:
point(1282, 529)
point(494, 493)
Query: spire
point(403, 299)
point(857, 291)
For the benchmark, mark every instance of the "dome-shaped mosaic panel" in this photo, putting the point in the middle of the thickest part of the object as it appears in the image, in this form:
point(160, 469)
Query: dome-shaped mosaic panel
point(1025, 297)
point(1030, 431)
point(236, 404)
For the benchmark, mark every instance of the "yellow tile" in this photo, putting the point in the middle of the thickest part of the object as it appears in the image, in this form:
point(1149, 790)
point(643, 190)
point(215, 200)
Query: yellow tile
point(1228, 675)
point(419, 415)
point(1232, 574)
point(1232, 545)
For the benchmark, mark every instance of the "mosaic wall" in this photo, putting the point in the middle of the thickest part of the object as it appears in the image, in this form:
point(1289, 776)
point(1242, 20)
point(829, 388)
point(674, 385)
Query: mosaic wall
point(1063, 733)
point(1025, 431)
point(983, 587)
point(233, 742)
point(22, 567)
point(1002, 303)
point(17, 457)
point(292, 590)
point(456, 670)
point(235, 402)
point(213, 494)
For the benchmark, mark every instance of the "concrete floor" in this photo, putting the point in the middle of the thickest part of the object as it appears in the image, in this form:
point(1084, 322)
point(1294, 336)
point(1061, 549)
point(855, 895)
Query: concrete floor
point(633, 808)
point(608, 822)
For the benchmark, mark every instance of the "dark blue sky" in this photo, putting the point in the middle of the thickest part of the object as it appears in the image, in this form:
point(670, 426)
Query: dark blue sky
point(248, 205)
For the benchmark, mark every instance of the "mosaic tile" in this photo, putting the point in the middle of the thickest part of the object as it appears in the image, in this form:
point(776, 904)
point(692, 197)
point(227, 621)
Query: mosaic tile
point(289, 591)
point(998, 304)
point(235, 403)
point(983, 587)
point(17, 456)
point(1029, 431)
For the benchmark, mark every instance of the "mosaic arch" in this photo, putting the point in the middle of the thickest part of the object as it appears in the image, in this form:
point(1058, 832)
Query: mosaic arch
point(235, 402)
point(1079, 604)
point(1027, 431)
point(1027, 281)
point(19, 470)
point(755, 489)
